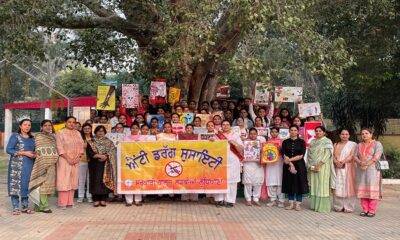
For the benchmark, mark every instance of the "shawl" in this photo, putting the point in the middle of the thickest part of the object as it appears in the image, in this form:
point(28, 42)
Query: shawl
point(106, 146)
point(347, 189)
point(221, 136)
point(46, 157)
point(16, 168)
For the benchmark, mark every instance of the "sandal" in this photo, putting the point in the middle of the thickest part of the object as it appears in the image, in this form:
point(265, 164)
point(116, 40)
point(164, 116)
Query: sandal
point(347, 211)
point(138, 204)
point(338, 210)
point(27, 211)
point(371, 215)
point(103, 204)
point(96, 204)
point(363, 214)
point(46, 211)
point(16, 212)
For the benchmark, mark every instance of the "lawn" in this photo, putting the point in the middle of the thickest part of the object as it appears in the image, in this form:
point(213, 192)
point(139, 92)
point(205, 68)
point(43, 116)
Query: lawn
point(391, 143)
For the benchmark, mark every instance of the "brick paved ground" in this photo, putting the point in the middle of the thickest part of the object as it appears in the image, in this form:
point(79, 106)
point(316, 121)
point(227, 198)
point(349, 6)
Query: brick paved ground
point(178, 220)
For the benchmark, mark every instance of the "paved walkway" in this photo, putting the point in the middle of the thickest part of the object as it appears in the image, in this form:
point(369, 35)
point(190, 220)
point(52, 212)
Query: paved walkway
point(177, 220)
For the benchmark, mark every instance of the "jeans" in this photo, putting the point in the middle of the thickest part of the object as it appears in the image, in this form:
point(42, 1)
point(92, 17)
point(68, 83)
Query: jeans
point(299, 197)
point(15, 202)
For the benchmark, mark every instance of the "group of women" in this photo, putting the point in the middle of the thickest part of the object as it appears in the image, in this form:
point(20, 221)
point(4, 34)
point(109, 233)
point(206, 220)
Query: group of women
point(73, 159)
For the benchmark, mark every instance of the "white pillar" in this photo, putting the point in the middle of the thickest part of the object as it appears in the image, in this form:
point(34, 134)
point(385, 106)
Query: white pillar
point(7, 127)
point(48, 114)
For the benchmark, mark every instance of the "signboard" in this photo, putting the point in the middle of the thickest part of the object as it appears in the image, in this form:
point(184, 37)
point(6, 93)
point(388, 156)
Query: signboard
point(172, 167)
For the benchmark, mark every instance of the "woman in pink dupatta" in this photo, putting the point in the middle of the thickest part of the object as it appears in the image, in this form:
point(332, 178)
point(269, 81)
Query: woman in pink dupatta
point(368, 178)
point(70, 148)
point(343, 153)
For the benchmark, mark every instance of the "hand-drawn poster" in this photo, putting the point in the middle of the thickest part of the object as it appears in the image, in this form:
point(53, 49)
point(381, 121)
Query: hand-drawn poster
point(309, 131)
point(158, 91)
point(116, 138)
point(160, 119)
point(178, 128)
point(223, 92)
point(270, 153)
point(107, 126)
point(252, 151)
point(105, 98)
point(81, 113)
point(174, 95)
point(205, 118)
point(262, 131)
point(309, 109)
point(261, 94)
point(198, 130)
point(288, 94)
point(130, 95)
point(284, 133)
point(187, 118)
point(206, 136)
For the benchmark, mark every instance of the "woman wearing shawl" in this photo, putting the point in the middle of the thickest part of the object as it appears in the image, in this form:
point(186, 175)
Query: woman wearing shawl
point(21, 148)
point(235, 149)
point(321, 170)
point(102, 166)
point(345, 173)
point(368, 178)
point(70, 150)
point(43, 177)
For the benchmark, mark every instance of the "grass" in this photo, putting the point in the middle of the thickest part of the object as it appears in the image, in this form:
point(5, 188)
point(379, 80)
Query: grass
point(390, 143)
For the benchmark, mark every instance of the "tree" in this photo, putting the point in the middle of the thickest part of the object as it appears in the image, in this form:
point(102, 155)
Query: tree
point(191, 43)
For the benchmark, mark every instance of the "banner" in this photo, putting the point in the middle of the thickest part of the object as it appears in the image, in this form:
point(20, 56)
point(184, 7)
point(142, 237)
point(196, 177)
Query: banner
point(81, 113)
point(105, 98)
point(174, 95)
point(261, 94)
point(130, 95)
point(172, 167)
point(158, 91)
point(309, 131)
point(288, 94)
point(205, 118)
point(309, 109)
point(252, 151)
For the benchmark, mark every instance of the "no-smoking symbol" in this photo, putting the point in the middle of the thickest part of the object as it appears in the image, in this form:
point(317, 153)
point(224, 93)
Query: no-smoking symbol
point(173, 169)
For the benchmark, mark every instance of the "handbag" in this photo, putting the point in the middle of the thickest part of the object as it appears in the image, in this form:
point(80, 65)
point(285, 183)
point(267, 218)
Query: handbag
point(382, 164)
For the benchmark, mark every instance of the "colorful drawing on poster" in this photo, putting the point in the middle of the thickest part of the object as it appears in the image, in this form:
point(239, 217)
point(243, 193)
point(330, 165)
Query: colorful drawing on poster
point(223, 92)
point(81, 113)
point(206, 136)
point(288, 94)
point(270, 153)
point(262, 131)
point(261, 94)
point(252, 151)
point(58, 127)
point(158, 91)
point(107, 126)
point(160, 118)
point(205, 118)
point(187, 118)
point(105, 98)
point(236, 129)
point(130, 95)
point(284, 133)
point(309, 109)
point(178, 128)
point(172, 167)
point(174, 95)
point(309, 131)
point(116, 138)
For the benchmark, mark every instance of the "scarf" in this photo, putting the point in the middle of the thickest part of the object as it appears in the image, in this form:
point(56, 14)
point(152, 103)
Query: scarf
point(221, 136)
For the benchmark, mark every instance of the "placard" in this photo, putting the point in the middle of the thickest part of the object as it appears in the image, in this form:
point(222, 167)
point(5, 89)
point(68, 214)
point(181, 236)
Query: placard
point(105, 98)
point(205, 118)
point(161, 120)
point(309, 131)
point(288, 94)
point(130, 95)
point(262, 131)
point(174, 95)
point(158, 91)
point(187, 118)
point(206, 136)
point(252, 151)
point(309, 109)
point(81, 113)
point(116, 138)
point(172, 167)
point(261, 94)
point(270, 153)
point(106, 125)
point(284, 133)
point(223, 92)
point(178, 128)
point(198, 130)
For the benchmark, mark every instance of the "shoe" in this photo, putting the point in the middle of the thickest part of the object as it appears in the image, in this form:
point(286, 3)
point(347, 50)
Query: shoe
point(370, 214)
point(248, 203)
point(363, 214)
point(271, 204)
point(219, 204)
point(128, 204)
point(281, 205)
point(290, 207)
point(96, 204)
point(72, 206)
point(297, 208)
point(138, 204)
point(80, 200)
point(89, 200)
point(257, 203)
point(103, 204)
point(229, 205)
point(46, 211)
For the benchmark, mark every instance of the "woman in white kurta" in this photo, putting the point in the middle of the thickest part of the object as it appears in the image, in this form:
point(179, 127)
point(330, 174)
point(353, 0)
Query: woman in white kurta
point(343, 153)
point(235, 149)
point(253, 174)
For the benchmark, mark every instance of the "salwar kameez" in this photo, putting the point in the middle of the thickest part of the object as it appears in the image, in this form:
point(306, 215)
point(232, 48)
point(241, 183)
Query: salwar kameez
point(321, 182)
point(253, 177)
